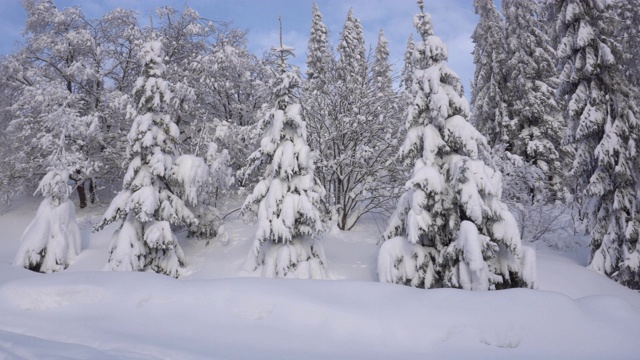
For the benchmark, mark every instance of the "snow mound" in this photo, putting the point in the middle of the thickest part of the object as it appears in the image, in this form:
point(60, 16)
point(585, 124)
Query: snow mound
point(52, 239)
point(249, 317)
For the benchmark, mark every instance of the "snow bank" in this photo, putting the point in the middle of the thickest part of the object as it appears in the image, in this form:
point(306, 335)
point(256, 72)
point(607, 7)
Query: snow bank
point(83, 313)
point(289, 319)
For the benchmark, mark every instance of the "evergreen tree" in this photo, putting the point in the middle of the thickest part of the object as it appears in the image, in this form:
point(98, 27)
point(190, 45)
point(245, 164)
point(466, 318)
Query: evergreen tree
point(147, 204)
point(407, 68)
point(489, 81)
point(319, 57)
point(548, 17)
point(535, 126)
point(628, 36)
point(286, 198)
point(317, 102)
point(450, 228)
point(381, 69)
point(352, 66)
point(604, 128)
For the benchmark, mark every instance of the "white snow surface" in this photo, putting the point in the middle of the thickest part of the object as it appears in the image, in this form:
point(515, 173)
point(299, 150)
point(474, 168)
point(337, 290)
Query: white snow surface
point(218, 310)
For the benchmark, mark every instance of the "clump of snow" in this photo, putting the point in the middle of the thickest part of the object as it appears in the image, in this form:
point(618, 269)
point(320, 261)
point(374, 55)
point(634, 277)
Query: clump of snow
point(54, 186)
point(52, 239)
point(191, 172)
point(472, 273)
point(127, 252)
point(402, 262)
point(300, 258)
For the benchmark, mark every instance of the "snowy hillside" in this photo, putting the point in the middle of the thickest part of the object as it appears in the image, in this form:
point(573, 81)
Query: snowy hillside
point(219, 312)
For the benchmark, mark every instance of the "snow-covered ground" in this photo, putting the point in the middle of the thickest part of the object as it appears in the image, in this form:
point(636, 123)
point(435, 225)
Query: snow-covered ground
point(219, 311)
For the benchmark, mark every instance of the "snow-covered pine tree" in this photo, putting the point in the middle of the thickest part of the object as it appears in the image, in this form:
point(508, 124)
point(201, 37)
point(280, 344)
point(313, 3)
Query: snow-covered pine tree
point(407, 68)
point(548, 17)
point(316, 97)
point(147, 204)
point(52, 239)
point(628, 36)
point(319, 56)
point(381, 69)
point(352, 65)
point(535, 126)
point(604, 128)
point(489, 80)
point(286, 199)
point(450, 228)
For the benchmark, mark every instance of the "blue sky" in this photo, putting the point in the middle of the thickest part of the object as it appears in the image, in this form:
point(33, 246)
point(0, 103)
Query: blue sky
point(454, 21)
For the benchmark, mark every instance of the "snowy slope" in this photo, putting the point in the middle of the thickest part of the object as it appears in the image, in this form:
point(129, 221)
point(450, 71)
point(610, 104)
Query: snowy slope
point(219, 311)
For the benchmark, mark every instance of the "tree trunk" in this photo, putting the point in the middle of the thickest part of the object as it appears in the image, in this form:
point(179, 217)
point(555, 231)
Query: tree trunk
point(92, 191)
point(79, 180)
point(82, 195)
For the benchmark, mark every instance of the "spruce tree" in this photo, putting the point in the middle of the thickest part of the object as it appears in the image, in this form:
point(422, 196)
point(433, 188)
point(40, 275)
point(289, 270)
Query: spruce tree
point(352, 66)
point(147, 204)
point(489, 80)
point(535, 126)
point(603, 128)
point(286, 199)
point(407, 68)
point(628, 36)
point(381, 69)
point(319, 57)
point(450, 228)
point(316, 96)
point(548, 17)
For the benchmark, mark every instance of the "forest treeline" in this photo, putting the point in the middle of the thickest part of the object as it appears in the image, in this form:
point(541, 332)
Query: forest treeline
point(180, 115)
